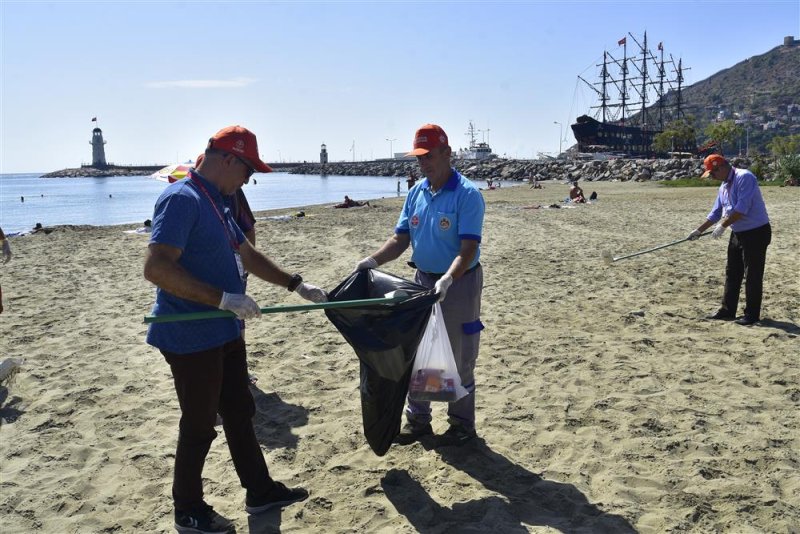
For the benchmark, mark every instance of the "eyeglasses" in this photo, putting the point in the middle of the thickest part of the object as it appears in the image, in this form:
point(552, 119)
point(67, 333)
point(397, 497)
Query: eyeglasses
point(250, 170)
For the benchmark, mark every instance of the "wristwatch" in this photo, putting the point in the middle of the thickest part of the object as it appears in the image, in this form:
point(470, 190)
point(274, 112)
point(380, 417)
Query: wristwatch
point(296, 281)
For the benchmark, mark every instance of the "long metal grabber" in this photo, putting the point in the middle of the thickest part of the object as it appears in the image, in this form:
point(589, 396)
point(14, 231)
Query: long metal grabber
point(217, 314)
point(609, 259)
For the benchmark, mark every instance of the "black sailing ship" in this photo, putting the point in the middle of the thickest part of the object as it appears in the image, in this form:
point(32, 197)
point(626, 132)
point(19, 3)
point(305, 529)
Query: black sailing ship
point(625, 122)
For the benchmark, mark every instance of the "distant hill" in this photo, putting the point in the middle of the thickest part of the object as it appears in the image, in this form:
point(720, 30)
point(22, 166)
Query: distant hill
point(761, 93)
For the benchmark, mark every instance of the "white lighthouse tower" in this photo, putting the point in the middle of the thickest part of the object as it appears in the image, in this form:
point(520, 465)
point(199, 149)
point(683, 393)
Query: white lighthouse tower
point(98, 150)
point(323, 154)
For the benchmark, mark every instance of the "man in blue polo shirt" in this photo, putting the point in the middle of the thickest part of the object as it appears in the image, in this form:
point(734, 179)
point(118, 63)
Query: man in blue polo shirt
point(442, 220)
point(197, 257)
point(740, 206)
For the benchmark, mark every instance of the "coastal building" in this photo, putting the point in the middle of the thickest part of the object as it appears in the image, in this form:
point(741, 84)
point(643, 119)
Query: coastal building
point(98, 149)
point(323, 154)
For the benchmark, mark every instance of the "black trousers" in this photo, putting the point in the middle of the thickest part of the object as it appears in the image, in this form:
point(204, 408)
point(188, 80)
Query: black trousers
point(747, 255)
point(210, 382)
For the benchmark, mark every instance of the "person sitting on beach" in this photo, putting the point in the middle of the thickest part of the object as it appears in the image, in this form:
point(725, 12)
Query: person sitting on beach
point(576, 193)
point(197, 257)
point(534, 182)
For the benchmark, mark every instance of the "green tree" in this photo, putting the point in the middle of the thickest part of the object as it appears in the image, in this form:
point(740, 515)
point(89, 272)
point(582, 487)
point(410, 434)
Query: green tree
point(677, 135)
point(785, 145)
point(724, 132)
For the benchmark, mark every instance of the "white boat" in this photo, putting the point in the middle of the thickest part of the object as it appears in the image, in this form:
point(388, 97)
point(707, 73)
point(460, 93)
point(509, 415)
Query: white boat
point(476, 151)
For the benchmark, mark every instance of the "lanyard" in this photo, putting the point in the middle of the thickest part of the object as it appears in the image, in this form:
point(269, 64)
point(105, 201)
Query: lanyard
point(231, 238)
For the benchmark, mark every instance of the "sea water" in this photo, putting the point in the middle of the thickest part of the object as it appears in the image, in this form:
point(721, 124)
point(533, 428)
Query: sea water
point(27, 199)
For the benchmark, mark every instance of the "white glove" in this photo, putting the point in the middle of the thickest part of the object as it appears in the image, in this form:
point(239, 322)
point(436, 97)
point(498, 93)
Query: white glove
point(243, 306)
point(718, 231)
point(442, 285)
point(6, 251)
point(694, 235)
point(367, 263)
point(312, 293)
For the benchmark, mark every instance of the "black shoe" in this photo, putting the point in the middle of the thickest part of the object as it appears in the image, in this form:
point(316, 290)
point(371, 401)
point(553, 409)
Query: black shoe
point(746, 321)
point(456, 436)
point(202, 521)
point(412, 432)
point(278, 497)
point(722, 315)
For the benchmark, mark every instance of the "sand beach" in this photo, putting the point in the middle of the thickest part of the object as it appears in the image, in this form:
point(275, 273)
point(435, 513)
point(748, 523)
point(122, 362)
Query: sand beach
point(605, 402)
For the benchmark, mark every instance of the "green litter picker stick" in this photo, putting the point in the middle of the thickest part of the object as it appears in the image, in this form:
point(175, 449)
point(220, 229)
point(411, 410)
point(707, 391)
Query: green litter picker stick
point(217, 314)
point(609, 259)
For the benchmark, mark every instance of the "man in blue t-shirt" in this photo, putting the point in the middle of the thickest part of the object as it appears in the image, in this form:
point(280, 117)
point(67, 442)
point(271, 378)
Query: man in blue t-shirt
point(442, 220)
point(198, 257)
point(740, 206)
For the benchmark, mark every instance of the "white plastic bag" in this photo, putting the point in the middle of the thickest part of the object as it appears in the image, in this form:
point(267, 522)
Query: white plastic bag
point(434, 376)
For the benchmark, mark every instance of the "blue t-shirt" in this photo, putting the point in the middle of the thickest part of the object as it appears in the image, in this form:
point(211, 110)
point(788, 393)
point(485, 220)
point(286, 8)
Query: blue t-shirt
point(438, 222)
point(740, 193)
point(185, 218)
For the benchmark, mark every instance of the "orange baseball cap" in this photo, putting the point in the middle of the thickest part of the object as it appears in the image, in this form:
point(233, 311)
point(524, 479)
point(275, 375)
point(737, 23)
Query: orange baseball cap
point(712, 162)
point(240, 142)
point(428, 137)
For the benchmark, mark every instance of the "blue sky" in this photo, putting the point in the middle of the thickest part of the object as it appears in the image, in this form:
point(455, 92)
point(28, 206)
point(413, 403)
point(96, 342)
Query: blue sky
point(162, 77)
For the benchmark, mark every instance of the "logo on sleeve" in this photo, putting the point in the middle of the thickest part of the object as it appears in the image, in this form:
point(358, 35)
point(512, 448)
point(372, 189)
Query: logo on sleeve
point(444, 223)
point(414, 221)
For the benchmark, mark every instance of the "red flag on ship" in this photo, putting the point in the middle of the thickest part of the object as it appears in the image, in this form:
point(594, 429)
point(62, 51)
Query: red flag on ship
point(622, 41)
point(94, 119)
point(661, 46)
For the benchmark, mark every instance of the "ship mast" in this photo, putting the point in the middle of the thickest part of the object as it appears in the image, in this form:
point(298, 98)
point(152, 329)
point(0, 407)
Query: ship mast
point(643, 119)
point(471, 134)
point(624, 93)
point(661, 88)
point(604, 93)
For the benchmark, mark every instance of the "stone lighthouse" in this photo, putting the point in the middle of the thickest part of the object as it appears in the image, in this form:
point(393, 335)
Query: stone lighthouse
point(323, 154)
point(98, 150)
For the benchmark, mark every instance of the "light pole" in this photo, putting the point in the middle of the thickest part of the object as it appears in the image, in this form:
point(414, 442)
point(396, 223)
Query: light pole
point(560, 135)
point(391, 154)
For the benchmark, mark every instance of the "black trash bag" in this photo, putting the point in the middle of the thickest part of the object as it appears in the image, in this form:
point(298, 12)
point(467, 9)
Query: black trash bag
point(385, 339)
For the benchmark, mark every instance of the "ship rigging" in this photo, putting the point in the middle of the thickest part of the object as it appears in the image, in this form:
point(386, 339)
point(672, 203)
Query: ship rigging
point(620, 128)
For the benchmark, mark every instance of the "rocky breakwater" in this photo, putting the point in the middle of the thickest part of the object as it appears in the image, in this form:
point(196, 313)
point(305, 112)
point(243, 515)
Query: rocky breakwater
point(361, 168)
point(93, 172)
point(509, 169)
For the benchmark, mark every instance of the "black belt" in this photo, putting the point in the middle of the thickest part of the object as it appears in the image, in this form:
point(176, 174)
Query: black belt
point(439, 275)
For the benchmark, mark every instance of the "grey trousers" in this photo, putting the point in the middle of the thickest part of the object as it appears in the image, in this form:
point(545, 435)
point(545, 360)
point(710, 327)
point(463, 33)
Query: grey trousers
point(461, 309)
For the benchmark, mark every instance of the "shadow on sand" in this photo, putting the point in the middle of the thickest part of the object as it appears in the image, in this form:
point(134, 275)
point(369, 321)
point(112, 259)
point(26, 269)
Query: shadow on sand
point(789, 328)
point(525, 498)
point(273, 422)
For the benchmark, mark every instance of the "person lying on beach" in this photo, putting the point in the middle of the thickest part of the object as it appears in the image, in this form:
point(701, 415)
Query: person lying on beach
point(350, 203)
point(197, 257)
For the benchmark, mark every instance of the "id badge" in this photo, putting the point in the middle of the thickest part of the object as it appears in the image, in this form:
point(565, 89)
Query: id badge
point(239, 266)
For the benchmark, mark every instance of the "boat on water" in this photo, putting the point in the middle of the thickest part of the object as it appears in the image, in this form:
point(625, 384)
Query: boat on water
point(477, 150)
point(638, 95)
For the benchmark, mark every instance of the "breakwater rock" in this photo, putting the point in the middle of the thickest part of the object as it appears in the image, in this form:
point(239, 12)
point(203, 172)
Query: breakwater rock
point(92, 172)
point(510, 169)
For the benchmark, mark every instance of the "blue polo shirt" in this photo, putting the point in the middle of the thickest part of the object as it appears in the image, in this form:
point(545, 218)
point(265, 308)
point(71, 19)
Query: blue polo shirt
point(184, 218)
point(437, 222)
point(740, 192)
